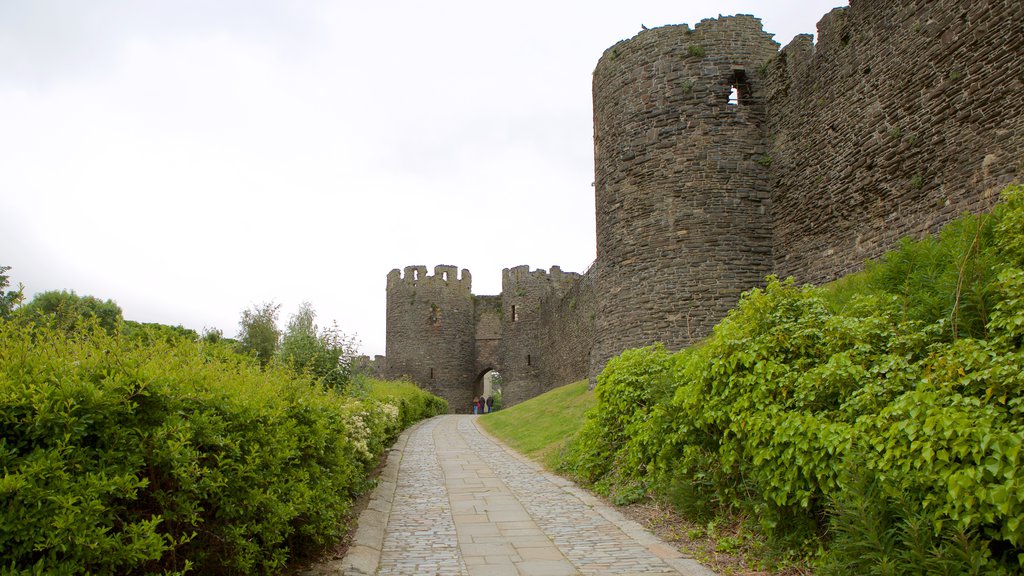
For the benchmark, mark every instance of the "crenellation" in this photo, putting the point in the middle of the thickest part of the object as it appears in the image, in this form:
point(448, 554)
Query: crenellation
point(719, 159)
point(416, 275)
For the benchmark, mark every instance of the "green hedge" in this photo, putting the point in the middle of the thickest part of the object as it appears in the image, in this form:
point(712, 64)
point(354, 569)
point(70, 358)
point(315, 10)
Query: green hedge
point(412, 403)
point(883, 413)
point(136, 456)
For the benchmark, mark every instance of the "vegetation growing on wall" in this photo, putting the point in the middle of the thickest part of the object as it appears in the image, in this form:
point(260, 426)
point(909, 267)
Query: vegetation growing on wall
point(882, 413)
point(132, 454)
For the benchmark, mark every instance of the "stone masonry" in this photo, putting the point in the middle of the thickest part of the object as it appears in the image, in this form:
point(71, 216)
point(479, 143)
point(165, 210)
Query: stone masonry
point(903, 116)
point(720, 159)
point(445, 339)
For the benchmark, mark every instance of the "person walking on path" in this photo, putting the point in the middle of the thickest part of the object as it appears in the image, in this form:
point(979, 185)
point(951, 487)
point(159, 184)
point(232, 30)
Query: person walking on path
point(490, 404)
point(476, 404)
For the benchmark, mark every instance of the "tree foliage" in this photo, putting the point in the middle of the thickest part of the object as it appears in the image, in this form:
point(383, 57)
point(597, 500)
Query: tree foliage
point(326, 354)
point(150, 331)
point(258, 333)
point(9, 299)
point(70, 312)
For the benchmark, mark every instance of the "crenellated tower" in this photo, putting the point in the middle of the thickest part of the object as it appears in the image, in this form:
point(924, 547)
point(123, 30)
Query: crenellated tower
point(682, 196)
point(430, 331)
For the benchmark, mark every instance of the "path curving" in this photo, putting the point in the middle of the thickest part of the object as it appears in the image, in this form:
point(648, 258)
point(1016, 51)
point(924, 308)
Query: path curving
point(453, 500)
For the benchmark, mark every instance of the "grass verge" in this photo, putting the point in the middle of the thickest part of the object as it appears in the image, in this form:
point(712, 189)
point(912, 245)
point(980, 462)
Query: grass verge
point(541, 426)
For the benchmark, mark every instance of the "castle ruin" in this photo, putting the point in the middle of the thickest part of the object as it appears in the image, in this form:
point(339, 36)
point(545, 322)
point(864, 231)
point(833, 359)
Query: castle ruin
point(720, 159)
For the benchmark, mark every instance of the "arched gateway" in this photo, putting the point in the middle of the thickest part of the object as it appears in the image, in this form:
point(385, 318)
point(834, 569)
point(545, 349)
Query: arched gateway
point(446, 340)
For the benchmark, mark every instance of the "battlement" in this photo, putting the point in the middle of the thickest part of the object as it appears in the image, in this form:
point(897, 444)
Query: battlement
point(417, 276)
point(555, 276)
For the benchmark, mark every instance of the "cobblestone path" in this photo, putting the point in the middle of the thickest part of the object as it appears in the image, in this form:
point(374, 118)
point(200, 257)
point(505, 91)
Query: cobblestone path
point(454, 501)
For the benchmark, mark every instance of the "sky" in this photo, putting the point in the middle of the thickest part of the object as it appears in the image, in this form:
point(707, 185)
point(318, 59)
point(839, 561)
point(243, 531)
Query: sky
point(191, 159)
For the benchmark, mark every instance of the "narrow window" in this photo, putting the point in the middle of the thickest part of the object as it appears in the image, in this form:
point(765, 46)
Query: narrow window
point(431, 373)
point(528, 360)
point(741, 92)
point(444, 276)
point(515, 313)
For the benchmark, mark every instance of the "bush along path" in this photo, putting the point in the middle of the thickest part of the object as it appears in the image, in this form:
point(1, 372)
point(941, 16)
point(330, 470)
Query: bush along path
point(137, 456)
point(875, 424)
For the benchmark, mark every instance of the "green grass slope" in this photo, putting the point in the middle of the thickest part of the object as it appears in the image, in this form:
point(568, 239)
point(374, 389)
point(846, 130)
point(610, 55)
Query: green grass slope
point(540, 426)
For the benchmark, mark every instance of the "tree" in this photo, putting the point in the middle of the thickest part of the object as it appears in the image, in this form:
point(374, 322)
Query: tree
point(212, 335)
point(10, 298)
point(69, 311)
point(325, 354)
point(258, 332)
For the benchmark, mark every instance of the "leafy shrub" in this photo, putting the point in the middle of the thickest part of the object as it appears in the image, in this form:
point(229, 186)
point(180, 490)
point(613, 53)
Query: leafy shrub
point(413, 404)
point(150, 331)
point(131, 456)
point(885, 409)
point(629, 386)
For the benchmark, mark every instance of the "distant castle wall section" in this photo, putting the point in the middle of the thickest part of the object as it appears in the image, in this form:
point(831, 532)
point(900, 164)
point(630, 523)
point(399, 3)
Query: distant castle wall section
point(904, 115)
point(488, 319)
point(531, 363)
point(570, 331)
point(445, 339)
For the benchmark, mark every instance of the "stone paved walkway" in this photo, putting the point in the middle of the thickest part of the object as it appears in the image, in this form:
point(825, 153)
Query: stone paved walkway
point(454, 501)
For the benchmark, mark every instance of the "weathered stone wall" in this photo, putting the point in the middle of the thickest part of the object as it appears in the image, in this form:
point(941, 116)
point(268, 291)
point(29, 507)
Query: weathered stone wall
point(488, 337)
point(431, 332)
point(570, 334)
point(904, 115)
point(683, 212)
point(529, 364)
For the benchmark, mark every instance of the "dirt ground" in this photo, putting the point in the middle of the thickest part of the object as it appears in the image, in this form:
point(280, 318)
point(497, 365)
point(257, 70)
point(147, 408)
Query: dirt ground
point(727, 551)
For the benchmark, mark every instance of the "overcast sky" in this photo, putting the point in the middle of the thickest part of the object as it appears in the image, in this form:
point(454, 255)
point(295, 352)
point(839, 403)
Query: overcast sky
point(190, 159)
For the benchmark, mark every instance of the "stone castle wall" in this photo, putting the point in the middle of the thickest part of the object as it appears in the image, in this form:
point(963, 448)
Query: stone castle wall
point(905, 114)
point(570, 322)
point(526, 359)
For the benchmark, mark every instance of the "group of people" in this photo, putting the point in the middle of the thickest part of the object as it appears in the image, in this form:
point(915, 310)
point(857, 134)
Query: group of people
point(483, 404)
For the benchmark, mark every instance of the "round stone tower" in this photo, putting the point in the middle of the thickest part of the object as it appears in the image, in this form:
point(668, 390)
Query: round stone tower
point(681, 180)
point(430, 332)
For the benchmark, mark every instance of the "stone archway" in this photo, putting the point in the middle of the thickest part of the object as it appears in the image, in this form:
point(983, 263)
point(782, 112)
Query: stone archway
point(487, 383)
